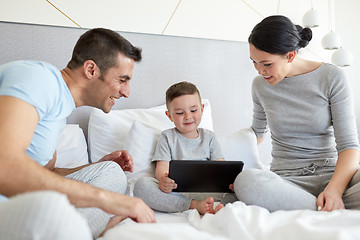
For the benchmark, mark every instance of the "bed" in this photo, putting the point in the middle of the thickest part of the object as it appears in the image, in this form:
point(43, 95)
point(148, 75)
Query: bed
point(137, 130)
point(223, 73)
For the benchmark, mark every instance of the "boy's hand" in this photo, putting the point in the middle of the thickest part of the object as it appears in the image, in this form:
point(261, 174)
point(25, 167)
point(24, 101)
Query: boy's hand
point(166, 184)
point(231, 187)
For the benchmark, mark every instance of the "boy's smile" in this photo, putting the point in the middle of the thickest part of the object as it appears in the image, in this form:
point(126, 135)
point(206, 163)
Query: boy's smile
point(186, 112)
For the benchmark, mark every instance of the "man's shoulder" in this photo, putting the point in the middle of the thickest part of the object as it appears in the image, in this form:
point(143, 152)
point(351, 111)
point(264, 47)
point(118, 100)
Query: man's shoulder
point(30, 73)
point(29, 65)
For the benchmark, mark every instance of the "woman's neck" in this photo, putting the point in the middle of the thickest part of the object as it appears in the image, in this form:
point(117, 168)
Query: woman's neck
point(301, 66)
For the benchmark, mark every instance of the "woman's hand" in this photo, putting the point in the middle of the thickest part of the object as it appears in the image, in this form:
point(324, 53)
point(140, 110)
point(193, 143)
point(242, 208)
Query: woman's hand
point(329, 200)
point(346, 167)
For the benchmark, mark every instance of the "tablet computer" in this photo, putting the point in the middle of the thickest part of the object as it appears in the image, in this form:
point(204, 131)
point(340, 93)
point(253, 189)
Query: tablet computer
point(204, 176)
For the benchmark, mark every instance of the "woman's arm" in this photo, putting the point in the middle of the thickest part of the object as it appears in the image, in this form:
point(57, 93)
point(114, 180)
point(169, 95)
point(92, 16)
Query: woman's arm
point(344, 125)
point(346, 167)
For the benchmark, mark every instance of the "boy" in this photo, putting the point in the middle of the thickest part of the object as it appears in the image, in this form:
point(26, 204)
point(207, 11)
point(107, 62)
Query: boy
point(184, 142)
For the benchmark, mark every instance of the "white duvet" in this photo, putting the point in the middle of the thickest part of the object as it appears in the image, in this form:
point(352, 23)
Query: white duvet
point(238, 221)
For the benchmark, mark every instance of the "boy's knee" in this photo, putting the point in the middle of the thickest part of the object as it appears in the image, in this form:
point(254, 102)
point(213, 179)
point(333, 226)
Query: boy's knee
point(143, 185)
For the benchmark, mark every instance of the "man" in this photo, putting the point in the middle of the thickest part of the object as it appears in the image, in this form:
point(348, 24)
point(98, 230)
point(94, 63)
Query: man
point(35, 99)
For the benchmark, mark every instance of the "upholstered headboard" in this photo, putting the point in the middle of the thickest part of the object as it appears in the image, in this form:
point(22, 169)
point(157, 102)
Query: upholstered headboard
point(221, 70)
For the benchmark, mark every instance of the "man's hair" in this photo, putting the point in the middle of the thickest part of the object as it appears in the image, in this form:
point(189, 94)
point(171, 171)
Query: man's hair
point(103, 47)
point(180, 89)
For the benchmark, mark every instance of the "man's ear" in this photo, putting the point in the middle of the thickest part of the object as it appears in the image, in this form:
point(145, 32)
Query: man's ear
point(90, 68)
point(202, 107)
point(168, 115)
point(290, 56)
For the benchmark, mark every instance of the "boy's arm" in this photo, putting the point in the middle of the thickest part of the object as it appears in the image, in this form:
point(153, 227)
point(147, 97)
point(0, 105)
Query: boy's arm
point(19, 173)
point(215, 149)
point(166, 184)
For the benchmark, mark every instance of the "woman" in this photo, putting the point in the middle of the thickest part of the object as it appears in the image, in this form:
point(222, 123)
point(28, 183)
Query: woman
point(308, 108)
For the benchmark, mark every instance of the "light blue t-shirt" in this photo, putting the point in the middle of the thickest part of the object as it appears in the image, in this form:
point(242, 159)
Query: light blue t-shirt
point(41, 85)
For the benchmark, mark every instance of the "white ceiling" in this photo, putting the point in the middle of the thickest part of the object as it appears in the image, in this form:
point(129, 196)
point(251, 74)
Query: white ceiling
point(214, 19)
point(217, 19)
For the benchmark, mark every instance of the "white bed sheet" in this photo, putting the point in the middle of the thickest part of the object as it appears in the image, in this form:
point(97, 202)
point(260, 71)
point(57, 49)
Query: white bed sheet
point(238, 221)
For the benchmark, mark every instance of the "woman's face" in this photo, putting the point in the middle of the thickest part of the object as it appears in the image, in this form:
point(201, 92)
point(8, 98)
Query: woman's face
point(272, 67)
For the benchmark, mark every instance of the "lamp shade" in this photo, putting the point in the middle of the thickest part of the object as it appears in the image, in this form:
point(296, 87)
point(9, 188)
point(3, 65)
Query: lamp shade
point(331, 41)
point(311, 18)
point(342, 57)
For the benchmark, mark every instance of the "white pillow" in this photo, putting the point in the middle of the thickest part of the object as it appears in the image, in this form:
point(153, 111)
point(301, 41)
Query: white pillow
point(71, 149)
point(242, 146)
point(141, 143)
point(108, 132)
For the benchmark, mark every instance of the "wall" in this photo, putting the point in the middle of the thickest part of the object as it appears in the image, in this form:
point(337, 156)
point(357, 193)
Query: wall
point(214, 19)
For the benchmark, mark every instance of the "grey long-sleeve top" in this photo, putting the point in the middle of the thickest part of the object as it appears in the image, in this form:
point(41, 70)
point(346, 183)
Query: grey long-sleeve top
point(311, 117)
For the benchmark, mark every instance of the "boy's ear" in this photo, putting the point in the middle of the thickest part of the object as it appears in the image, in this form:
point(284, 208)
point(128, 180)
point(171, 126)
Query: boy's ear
point(168, 115)
point(202, 107)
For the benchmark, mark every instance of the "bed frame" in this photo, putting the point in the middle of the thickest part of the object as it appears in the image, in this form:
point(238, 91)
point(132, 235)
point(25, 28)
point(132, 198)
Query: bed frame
point(221, 70)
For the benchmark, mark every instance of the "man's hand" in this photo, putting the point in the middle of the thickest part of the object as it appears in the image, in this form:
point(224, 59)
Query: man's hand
point(126, 206)
point(166, 184)
point(123, 158)
point(140, 212)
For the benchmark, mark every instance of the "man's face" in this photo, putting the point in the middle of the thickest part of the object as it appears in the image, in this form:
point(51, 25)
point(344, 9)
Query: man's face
point(113, 84)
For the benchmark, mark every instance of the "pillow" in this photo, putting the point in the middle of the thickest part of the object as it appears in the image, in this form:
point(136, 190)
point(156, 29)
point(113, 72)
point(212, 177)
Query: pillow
point(71, 149)
point(108, 132)
point(241, 145)
point(141, 143)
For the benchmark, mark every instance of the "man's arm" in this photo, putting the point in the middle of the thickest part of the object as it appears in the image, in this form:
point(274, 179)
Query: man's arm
point(123, 158)
point(19, 173)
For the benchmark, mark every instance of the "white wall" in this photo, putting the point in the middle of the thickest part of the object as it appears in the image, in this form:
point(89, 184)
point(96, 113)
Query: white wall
point(214, 19)
point(347, 20)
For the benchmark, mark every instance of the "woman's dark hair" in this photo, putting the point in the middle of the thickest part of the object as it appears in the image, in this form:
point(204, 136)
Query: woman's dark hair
point(278, 35)
point(102, 46)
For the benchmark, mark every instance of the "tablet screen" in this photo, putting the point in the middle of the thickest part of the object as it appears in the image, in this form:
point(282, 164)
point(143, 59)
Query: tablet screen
point(204, 176)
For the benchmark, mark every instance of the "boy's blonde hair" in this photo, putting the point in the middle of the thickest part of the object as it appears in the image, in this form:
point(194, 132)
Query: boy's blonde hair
point(180, 89)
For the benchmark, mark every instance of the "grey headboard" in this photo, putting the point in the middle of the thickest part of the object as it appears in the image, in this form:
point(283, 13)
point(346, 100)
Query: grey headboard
point(222, 70)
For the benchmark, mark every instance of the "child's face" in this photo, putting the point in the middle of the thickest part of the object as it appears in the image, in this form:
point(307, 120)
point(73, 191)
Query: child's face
point(186, 112)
